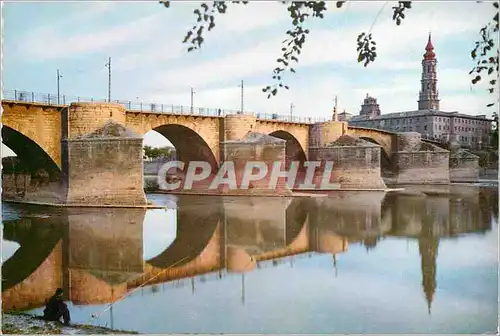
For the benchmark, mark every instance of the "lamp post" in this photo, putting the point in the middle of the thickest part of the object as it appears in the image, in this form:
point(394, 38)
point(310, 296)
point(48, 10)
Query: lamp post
point(242, 95)
point(192, 98)
point(291, 110)
point(108, 65)
point(59, 76)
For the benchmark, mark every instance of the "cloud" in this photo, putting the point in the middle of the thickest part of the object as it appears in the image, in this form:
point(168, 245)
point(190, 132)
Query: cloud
point(48, 43)
point(230, 67)
point(255, 15)
point(240, 20)
point(336, 46)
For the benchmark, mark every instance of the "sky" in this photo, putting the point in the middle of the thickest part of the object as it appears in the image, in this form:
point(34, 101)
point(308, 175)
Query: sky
point(151, 64)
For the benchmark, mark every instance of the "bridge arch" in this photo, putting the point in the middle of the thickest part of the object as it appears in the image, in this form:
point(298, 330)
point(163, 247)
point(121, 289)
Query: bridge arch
point(381, 138)
point(294, 150)
point(194, 137)
point(189, 144)
point(385, 159)
point(33, 156)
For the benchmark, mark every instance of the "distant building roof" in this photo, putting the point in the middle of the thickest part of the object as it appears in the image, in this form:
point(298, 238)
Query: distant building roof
point(418, 113)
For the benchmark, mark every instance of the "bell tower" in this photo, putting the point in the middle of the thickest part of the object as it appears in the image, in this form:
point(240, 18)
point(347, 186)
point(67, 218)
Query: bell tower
point(429, 94)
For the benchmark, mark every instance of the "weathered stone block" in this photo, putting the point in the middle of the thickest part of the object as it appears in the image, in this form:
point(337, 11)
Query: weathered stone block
point(422, 166)
point(408, 142)
point(238, 125)
point(321, 134)
point(261, 148)
point(464, 167)
point(84, 118)
point(356, 163)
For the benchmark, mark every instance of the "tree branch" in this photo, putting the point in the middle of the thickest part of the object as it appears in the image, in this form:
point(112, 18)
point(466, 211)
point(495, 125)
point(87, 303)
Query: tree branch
point(484, 53)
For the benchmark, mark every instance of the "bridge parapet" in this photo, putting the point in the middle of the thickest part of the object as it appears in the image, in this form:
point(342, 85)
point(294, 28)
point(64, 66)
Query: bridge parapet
point(50, 99)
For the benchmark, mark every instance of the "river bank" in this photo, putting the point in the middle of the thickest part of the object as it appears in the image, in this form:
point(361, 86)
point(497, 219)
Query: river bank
point(25, 324)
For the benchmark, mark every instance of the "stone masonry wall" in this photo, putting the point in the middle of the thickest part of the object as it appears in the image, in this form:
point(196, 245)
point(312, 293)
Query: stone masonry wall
point(240, 153)
point(84, 118)
point(238, 125)
point(353, 167)
point(40, 123)
point(28, 188)
point(105, 171)
point(464, 169)
point(422, 167)
point(321, 134)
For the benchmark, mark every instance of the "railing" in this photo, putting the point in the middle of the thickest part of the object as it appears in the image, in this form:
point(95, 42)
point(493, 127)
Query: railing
point(62, 100)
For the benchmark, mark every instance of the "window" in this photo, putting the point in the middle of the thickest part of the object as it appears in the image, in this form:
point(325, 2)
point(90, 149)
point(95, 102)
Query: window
point(439, 127)
point(425, 127)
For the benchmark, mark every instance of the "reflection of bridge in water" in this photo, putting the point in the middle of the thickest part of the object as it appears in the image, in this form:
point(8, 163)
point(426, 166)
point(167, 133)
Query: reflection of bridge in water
point(96, 255)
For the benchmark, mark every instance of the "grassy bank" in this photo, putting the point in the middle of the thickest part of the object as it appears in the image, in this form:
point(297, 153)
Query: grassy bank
point(20, 323)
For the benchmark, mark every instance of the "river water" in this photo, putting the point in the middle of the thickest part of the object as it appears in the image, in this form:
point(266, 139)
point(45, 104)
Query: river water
point(363, 262)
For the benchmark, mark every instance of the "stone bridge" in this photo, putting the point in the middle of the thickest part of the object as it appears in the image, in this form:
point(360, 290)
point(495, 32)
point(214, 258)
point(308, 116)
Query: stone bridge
point(98, 146)
point(41, 125)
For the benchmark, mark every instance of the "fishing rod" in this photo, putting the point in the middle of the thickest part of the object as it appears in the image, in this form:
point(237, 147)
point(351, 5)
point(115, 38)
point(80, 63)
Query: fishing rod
point(96, 316)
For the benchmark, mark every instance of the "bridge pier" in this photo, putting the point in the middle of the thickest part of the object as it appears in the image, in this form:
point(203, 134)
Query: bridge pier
point(464, 166)
point(101, 159)
point(417, 162)
point(241, 145)
point(356, 163)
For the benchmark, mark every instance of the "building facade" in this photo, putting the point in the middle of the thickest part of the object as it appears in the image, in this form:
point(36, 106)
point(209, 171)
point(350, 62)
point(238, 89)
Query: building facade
point(470, 131)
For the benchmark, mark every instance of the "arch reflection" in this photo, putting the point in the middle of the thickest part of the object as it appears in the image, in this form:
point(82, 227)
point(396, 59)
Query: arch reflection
point(97, 255)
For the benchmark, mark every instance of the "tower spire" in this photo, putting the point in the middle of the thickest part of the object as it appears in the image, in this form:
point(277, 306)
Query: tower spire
point(429, 49)
point(429, 95)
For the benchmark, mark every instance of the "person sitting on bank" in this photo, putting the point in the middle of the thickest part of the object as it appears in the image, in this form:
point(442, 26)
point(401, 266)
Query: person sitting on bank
point(56, 308)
